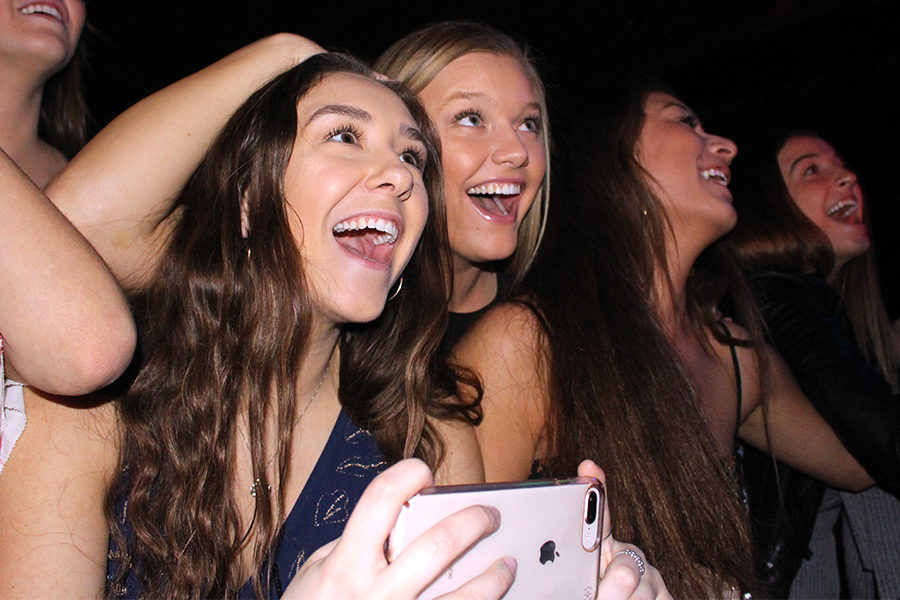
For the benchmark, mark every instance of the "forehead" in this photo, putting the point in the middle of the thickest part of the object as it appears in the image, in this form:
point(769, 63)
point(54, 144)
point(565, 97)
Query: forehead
point(358, 91)
point(803, 145)
point(495, 75)
point(654, 102)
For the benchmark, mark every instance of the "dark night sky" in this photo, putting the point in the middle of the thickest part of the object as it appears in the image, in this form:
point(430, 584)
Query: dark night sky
point(829, 65)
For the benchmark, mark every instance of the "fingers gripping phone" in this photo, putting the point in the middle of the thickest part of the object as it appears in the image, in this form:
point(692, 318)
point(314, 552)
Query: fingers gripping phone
point(551, 527)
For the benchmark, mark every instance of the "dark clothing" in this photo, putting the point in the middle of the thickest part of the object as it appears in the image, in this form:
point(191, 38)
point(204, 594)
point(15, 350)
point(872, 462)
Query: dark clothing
point(807, 325)
point(460, 323)
point(349, 461)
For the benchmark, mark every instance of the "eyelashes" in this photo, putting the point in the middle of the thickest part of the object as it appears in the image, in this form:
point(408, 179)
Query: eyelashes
point(472, 117)
point(348, 133)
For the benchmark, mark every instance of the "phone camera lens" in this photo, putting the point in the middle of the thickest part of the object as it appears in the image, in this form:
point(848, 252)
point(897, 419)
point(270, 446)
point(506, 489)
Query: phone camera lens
point(591, 515)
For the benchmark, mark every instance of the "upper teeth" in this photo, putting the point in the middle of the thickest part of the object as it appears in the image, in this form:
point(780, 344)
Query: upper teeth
point(389, 229)
point(716, 174)
point(496, 188)
point(850, 206)
point(41, 8)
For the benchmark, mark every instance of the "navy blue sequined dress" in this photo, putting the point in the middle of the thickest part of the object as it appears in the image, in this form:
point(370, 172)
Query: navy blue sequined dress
point(349, 461)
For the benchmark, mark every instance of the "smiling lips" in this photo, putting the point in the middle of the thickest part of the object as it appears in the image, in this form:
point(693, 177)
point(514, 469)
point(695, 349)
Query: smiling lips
point(370, 238)
point(41, 8)
point(495, 199)
point(846, 211)
point(720, 176)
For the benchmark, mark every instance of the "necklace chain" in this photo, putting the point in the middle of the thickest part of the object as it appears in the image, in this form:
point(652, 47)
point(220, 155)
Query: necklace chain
point(312, 398)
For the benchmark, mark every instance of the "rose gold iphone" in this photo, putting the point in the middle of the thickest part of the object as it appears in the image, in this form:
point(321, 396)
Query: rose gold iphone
point(551, 527)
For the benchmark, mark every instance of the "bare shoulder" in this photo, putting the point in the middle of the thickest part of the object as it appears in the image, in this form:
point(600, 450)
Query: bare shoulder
point(52, 491)
point(509, 327)
point(504, 350)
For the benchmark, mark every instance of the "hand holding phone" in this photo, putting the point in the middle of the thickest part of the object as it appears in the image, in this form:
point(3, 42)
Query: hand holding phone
point(552, 528)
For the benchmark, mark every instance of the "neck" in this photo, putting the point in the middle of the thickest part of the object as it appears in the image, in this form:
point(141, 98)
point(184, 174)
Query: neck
point(670, 294)
point(474, 286)
point(20, 108)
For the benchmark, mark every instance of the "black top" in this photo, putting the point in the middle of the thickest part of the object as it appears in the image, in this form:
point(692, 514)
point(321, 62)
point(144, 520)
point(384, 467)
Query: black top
point(808, 327)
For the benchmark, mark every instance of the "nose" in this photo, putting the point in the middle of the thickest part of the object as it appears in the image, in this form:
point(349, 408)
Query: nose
point(722, 147)
point(846, 178)
point(510, 149)
point(392, 176)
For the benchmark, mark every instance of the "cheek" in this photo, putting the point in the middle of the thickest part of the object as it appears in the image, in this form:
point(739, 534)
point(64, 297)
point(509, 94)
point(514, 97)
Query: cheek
point(461, 160)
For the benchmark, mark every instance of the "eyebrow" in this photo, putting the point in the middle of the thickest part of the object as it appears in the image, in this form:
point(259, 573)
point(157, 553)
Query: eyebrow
point(799, 158)
point(344, 110)
point(461, 95)
point(412, 133)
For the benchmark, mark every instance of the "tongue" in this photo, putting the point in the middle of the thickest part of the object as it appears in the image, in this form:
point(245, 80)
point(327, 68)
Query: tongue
point(362, 244)
point(491, 205)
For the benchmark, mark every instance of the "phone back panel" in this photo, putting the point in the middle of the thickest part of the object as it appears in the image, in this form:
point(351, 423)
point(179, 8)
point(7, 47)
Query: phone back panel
point(541, 527)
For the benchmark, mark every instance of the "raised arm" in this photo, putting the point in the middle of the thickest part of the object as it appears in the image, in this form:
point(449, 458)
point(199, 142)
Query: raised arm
point(65, 323)
point(119, 190)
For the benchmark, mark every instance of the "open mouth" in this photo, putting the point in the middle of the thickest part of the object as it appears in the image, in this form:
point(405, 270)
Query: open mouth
point(43, 9)
point(370, 238)
point(715, 175)
point(844, 210)
point(497, 199)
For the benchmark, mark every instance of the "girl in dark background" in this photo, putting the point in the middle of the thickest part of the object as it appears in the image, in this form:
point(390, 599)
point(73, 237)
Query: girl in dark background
point(803, 237)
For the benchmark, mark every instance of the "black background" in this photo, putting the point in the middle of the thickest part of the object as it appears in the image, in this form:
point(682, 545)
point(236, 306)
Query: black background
point(829, 65)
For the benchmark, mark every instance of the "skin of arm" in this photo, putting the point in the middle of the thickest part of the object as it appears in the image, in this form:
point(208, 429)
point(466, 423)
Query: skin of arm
point(462, 456)
point(53, 533)
point(798, 435)
point(66, 326)
point(502, 348)
point(119, 190)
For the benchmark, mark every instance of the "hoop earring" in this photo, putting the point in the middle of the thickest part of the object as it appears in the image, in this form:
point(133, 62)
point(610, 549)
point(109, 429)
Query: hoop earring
point(397, 291)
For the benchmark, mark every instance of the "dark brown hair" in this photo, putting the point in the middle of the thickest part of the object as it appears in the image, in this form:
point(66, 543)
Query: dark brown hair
point(773, 234)
point(63, 120)
point(221, 331)
point(619, 393)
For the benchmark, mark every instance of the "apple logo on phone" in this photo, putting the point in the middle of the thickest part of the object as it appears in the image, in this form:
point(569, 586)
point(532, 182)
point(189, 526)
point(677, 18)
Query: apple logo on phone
point(548, 552)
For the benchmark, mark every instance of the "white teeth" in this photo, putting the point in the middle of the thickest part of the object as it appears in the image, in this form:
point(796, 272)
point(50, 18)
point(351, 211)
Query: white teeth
point(843, 209)
point(494, 189)
point(716, 175)
point(41, 8)
point(388, 228)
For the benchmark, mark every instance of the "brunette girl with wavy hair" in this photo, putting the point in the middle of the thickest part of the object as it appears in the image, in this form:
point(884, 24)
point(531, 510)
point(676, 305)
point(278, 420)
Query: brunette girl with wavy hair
point(300, 217)
point(624, 355)
point(244, 306)
point(804, 241)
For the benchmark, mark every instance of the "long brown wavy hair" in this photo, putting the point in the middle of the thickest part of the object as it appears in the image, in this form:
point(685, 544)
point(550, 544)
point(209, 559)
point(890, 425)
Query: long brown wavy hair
point(417, 58)
point(221, 331)
point(773, 234)
point(618, 391)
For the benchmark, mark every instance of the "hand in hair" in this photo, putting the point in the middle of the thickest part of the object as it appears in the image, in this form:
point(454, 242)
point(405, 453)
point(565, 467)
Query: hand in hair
point(620, 576)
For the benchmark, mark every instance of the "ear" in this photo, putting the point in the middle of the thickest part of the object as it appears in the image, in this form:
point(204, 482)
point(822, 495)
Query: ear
point(245, 220)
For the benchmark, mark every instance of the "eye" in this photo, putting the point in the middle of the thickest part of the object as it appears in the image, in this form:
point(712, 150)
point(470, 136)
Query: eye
point(345, 134)
point(690, 120)
point(812, 169)
point(532, 124)
point(413, 156)
point(469, 118)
